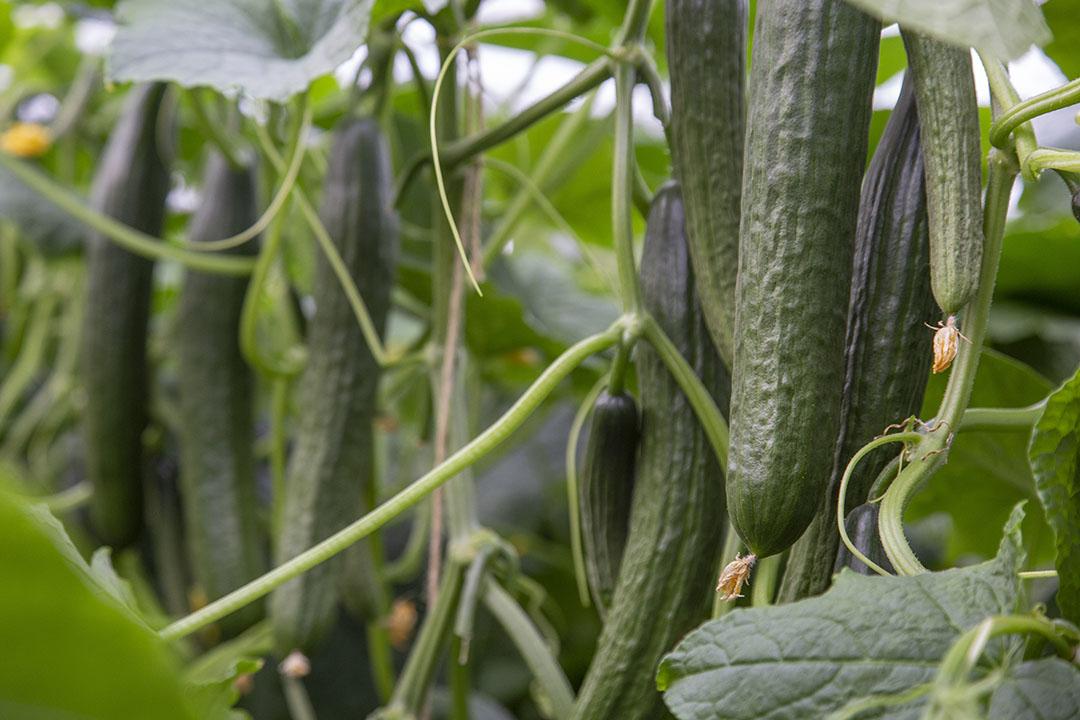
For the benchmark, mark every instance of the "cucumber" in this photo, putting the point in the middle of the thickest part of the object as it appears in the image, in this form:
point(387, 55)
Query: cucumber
point(130, 185)
point(888, 346)
point(675, 530)
point(605, 491)
point(706, 49)
point(331, 465)
point(811, 80)
point(862, 527)
point(214, 383)
point(952, 153)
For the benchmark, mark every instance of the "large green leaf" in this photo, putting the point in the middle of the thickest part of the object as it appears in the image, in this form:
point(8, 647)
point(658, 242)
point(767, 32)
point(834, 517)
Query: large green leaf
point(1064, 49)
point(269, 49)
point(987, 472)
point(70, 647)
point(1055, 460)
point(1047, 689)
point(865, 636)
point(1003, 28)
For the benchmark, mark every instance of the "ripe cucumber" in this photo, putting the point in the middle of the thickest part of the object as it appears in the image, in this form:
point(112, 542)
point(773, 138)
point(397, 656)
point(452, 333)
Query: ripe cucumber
point(811, 80)
point(217, 463)
point(676, 519)
point(605, 491)
point(888, 345)
point(130, 185)
point(331, 464)
point(952, 152)
point(706, 48)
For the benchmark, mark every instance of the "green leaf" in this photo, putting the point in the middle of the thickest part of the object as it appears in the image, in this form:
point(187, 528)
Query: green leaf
point(101, 567)
point(987, 472)
point(70, 648)
point(1055, 461)
point(47, 227)
point(865, 636)
point(1048, 689)
point(1064, 49)
point(269, 49)
point(1003, 28)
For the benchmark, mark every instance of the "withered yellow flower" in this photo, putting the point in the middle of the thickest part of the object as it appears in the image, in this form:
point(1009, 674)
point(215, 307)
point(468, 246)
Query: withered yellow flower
point(28, 140)
point(946, 341)
point(734, 575)
point(295, 665)
point(401, 623)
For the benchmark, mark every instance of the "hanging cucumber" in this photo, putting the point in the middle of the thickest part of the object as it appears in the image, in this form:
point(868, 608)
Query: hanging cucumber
point(952, 153)
point(811, 80)
point(675, 522)
point(888, 347)
point(605, 491)
point(331, 463)
point(217, 464)
point(706, 49)
point(130, 185)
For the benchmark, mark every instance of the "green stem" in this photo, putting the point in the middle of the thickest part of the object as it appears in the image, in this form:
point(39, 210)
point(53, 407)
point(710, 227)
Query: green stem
point(31, 354)
point(621, 365)
point(576, 550)
point(712, 422)
point(841, 501)
point(1022, 112)
point(1036, 574)
point(296, 698)
point(77, 97)
point(1046, 158)
point(635, 22)
point(380, 657)
point(212, 130)
point(279, 398)
point(643, 194)
point(646, 66)
point(1005, 94)
point(622, 189)
point(470, 595)
point(458, 152)
point(123, 235)
point(545, 668)
point(341, 272)
point(71, 499)
point(732, 545)
point(511, 420)
point(407, 566)
point(763, 590)
point(990, 419)
point(934, 447)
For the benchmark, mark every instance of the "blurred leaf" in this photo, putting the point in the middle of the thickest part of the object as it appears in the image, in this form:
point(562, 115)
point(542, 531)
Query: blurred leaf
point(47, 227)
point(211, 690)
point(1064, 49)
point(1003, 28)
point(1048, 689)
point(866, 635)
point(1025, 273)
point(987, 472)
point(269, 49)
point(70, 649)
point(1055, 461)
point(101, 568)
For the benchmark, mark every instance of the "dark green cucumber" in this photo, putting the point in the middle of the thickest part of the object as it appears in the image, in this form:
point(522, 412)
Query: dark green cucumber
point(217, 463)
point(706, 49)
point(130, 185)
point(676, 522)
point(888, 345)
point(862, 529)
point(331, 464)
point(605, 491)
point(811, 80)
point(952, 153)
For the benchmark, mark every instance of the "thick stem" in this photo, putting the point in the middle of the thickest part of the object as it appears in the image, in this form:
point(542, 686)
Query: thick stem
point(1022, 112)
point(991, 419)
point(484, 443)
point(622, 189)
point(763, 589)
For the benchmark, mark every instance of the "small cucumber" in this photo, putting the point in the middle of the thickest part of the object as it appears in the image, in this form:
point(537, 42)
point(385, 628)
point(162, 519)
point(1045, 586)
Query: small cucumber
point(605, 491)
point(331, 464)
point(888, 345)
point(217, 463)
point(706, 49)
point(130, 185)
point(811, 81)
point(862, 528)
point(952, 153)
point(675, 523)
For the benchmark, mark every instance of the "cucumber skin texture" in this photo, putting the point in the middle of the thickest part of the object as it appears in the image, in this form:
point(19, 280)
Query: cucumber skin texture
point(888, 345)
point(676, 522)
point(952, 152)
point(706, 48)
point(812, 76)
point(606, 489)
point(862, 527)
point(130, 185)
point(330, 466)
point(217, 462)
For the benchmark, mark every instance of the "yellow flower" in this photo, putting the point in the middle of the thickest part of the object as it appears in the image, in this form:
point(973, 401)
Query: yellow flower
point(27, 140)
point(734, 575)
